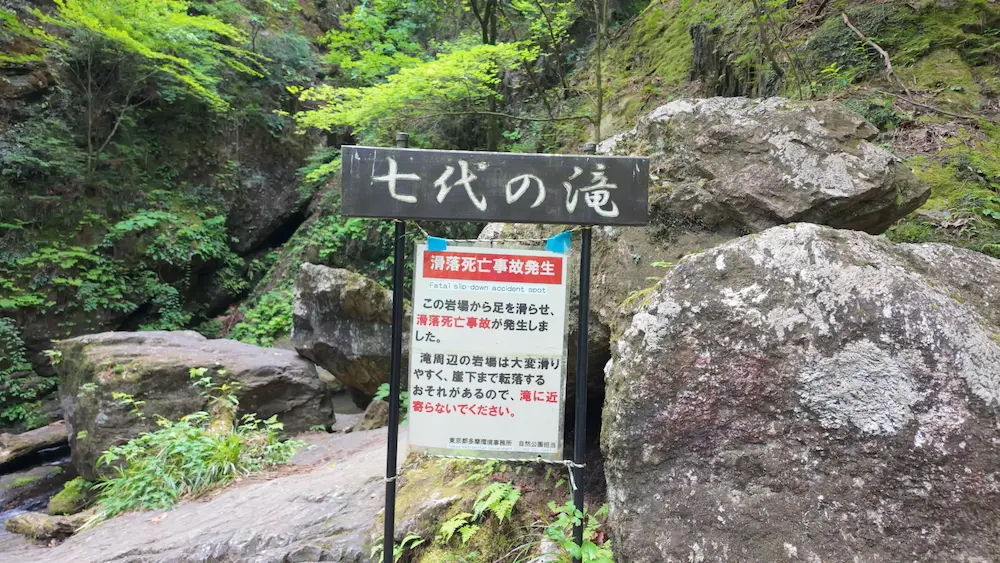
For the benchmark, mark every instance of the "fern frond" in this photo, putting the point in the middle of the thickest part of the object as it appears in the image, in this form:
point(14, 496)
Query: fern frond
point(450, 526)
point(490, 496)
point(505, 507)
point(466, 532)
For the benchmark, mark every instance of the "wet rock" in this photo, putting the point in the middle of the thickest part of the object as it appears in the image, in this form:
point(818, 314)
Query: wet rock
point(17, 446)
point(75, 496)
point(809, 393)
point(423, 518)
point(342, 321)
point(155, 367)
point(21, 485)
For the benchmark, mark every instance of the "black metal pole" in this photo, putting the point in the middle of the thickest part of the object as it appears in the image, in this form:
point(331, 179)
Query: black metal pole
point(580, 432)
point(395, 363)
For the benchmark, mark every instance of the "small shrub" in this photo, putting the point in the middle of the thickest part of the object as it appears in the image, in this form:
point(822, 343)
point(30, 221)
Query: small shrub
point(191, 456)
point(560, 531)
point(267, 321)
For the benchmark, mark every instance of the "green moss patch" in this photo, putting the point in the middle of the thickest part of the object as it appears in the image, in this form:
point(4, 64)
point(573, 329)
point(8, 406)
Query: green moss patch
point(945, 73)
point(492, 540)
point(74, 497)
point(964, 207)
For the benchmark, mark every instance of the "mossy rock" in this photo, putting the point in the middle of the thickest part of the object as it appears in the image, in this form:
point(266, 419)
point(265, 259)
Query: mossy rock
point(74, 497)
point(433, 492)
point(15, 486)
point(42, 527)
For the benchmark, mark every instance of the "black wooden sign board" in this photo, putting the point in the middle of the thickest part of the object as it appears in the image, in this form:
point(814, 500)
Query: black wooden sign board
point(499, 187)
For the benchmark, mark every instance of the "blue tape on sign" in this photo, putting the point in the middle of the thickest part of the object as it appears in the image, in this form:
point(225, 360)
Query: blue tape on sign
point(436, 244)
point(559, 243)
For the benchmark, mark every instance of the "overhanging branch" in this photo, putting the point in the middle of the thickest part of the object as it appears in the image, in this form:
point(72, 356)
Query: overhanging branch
point(514, 117)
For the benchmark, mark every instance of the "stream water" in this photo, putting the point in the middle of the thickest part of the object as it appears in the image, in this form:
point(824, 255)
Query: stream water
point(36, 498)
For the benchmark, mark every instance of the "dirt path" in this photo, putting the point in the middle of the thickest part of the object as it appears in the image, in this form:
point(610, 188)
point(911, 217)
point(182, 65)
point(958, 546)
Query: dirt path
point(321, 509)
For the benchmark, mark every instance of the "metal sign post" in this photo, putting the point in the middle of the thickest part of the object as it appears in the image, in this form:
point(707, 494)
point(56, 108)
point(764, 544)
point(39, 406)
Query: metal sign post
point(580, 417)
point(585, 190)
point(395, 366)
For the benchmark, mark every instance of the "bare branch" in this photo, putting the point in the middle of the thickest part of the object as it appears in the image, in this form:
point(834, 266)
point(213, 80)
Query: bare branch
point(514, 117)
point(937, 109)
point(885, 56)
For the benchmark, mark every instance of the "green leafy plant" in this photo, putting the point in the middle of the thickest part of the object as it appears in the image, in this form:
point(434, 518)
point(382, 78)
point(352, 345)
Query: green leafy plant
point(134, 406)
point(20, 387)
point(267, 320)
point(190, 456)
point(462, 524)
point(382, 394)
point(478, 471)
point(498, 499)
point(409, 543)
point(560, 531)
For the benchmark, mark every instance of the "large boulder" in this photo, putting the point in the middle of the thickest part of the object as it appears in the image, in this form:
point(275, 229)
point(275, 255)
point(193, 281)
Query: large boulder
point(739, 164)
point(155, 367)
point(809, 394)
point(342, 321)
point(721, 168)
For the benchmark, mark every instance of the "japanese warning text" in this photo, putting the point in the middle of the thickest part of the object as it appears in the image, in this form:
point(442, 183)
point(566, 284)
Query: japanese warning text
point(487, 352)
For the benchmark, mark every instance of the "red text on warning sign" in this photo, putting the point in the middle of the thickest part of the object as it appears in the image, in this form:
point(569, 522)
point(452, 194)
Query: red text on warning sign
point(493, 267)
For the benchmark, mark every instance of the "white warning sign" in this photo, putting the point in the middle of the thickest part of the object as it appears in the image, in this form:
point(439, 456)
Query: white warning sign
point(488, 352)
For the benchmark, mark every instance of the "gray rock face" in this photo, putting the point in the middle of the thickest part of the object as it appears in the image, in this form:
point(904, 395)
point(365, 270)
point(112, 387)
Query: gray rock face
point(722, 168)
point(155, 367)
point(739, 164)
point(267, 200)
point(809, 394)
point(321, 511)
point(342, 321)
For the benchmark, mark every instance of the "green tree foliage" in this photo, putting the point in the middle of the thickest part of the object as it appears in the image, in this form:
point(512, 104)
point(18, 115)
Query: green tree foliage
point(161, 36)
point(377, 39)
point(462, 79)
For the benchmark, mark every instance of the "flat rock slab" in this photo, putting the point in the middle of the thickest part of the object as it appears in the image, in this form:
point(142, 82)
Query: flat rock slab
point(17, 446)
point(321, 509)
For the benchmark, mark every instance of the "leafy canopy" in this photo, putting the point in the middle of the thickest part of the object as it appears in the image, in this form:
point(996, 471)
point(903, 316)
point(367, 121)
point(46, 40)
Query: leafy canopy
point(189, 49)
point(461, 79)
point(377, 39)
